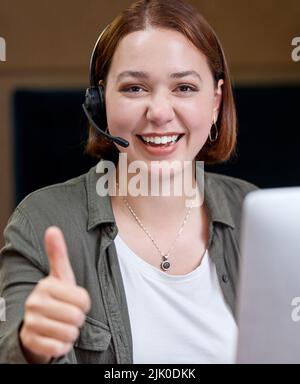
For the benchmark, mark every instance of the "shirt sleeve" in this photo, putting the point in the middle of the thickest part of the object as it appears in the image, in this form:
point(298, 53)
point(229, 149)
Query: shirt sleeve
point(21, 268)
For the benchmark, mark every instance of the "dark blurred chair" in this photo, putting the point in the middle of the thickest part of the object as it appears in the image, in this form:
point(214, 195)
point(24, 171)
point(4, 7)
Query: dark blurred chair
point(50, 131)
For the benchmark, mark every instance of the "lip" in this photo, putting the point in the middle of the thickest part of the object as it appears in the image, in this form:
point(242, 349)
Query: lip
point(154, 134)
point(158, 150)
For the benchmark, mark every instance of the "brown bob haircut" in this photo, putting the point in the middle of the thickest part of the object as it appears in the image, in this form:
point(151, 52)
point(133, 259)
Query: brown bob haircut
point(182, 17)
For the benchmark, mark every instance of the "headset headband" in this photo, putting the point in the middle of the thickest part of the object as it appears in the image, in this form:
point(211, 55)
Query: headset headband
point(93, 75)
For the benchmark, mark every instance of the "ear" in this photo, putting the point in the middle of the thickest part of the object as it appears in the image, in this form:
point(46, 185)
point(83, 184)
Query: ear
point(217, 100)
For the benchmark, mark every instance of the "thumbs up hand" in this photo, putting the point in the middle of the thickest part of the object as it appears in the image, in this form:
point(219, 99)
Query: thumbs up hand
point(58, 258)
point(56, 308)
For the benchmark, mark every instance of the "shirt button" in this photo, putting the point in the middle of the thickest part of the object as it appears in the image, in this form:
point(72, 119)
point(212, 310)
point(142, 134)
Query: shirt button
point(225, 278)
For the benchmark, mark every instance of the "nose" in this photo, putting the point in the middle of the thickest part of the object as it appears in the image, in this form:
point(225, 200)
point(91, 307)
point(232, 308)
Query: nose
point(160, 109)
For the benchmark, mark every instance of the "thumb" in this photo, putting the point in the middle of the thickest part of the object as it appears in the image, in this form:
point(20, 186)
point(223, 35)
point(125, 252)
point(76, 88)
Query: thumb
point(58, 258)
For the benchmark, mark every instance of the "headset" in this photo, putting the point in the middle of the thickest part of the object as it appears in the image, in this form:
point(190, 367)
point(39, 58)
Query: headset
point(94, 104)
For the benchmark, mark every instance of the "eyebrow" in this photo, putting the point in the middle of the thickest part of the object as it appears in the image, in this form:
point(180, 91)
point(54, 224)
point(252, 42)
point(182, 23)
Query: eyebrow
point(145, 75)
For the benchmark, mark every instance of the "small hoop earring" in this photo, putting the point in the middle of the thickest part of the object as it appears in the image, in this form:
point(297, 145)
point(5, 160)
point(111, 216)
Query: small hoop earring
point(216, 134)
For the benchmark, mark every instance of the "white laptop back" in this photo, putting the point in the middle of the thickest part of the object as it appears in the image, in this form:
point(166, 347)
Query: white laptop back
point(269, 289)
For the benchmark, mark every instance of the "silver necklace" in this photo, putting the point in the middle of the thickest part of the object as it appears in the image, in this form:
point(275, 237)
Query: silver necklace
point(165, 264)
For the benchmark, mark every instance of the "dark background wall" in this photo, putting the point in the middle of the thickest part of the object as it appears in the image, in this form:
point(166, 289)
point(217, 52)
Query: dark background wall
point(48, 49)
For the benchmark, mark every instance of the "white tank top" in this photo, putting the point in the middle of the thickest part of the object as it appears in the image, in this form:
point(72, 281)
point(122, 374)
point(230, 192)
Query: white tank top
point(176, 319)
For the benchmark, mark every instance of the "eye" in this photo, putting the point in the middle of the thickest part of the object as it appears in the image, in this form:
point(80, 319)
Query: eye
point(185, 88)
point(132, 89)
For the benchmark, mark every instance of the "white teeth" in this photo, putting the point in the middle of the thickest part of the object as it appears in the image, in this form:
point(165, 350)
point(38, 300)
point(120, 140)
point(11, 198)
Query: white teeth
point(160, 140)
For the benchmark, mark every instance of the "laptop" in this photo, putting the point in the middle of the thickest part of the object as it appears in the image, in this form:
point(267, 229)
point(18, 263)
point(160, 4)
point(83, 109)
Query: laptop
point(268, 302)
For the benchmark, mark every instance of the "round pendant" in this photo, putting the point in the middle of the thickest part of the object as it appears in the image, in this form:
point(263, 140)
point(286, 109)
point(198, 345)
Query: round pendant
point(165, 265)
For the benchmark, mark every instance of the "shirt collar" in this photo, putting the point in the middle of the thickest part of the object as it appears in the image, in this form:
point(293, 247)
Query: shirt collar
point(217, 201)
point(100, 208)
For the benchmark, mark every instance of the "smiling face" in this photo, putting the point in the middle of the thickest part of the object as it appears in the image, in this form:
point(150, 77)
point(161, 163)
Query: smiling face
point(159, 84)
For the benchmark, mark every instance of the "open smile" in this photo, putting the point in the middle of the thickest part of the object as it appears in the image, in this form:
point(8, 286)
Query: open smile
point(160, 141)
point(160, 146)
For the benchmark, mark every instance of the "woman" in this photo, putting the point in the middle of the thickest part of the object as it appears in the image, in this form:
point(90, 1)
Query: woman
point(102, 288)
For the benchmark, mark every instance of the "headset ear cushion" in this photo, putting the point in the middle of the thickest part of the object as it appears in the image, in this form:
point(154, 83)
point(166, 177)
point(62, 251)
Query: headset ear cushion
point(95, 104)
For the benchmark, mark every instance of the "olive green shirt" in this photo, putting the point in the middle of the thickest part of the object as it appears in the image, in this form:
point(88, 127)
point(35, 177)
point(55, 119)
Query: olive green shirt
point(89, 227)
